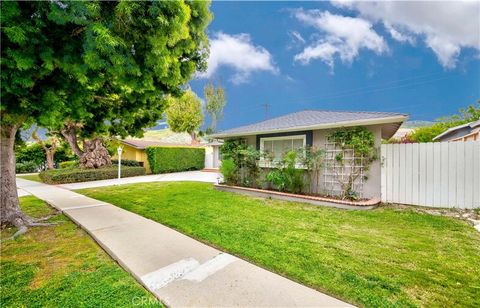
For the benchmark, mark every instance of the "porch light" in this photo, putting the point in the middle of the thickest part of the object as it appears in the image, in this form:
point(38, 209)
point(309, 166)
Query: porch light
point(119, 152)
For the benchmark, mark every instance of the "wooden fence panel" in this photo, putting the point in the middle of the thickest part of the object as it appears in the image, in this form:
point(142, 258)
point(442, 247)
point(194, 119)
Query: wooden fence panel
point(445, 174)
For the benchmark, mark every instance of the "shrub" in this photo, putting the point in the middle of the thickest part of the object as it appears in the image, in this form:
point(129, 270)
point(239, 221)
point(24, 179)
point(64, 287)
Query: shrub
point(30, 153)
point(230, 147)
point(26, 167)
point(174, 159)
point(62, 176)
point(127, 162)
point(287, 177)
point(277, 179)
point(229, 171)
point(245, 159)
point(68, 164)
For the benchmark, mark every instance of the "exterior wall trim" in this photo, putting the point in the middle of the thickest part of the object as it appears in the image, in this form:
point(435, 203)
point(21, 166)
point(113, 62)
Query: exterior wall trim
point(308, 137)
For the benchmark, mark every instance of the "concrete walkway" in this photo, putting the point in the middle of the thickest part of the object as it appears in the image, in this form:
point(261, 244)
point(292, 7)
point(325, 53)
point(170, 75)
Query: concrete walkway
point(179, 270)
point(198, 176)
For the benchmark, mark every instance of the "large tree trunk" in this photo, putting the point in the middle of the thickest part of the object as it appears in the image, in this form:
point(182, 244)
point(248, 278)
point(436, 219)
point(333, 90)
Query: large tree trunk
point(194, 141)
point(95, 155)
point(50, 159)
point(49, 151)
point(69, 132)
point(10, 212)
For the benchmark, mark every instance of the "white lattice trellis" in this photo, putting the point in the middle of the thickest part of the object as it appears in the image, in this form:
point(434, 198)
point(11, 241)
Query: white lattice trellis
point(336, 172)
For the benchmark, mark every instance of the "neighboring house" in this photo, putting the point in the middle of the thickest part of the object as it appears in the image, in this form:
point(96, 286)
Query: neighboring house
point(134, 149)
point(464, 132)
point(402, 133)
point(212, 155)
point(310, 128)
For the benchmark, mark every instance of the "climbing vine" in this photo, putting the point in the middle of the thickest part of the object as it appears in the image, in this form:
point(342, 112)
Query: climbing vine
point(357, 152)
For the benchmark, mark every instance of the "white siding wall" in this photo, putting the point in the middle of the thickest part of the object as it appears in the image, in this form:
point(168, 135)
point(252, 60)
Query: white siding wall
point(444, 174)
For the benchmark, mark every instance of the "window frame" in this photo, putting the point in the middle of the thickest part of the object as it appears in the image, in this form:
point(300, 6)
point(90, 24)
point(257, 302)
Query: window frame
point(266, 164)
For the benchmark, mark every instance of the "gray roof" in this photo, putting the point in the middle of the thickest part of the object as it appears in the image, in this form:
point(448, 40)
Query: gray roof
point(458, 131)
point(315, 119)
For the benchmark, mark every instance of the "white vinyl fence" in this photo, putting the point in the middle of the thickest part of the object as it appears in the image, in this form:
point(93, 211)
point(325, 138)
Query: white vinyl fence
point(443, 174)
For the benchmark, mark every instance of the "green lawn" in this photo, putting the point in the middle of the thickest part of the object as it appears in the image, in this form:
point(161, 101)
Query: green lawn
point(383, 257)
point(61, 266)
point(31, 177)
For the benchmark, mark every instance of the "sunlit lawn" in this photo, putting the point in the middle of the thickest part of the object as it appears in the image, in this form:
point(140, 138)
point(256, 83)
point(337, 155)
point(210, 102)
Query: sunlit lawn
point(30, 177)
point(381, 257)
point(61, 266)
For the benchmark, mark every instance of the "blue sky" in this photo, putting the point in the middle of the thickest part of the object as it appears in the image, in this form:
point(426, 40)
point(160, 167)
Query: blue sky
point(391, 56)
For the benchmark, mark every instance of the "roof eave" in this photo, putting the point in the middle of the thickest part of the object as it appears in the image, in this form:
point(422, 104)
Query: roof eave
point(131, 145)
point(385, 120)
point(450, 130)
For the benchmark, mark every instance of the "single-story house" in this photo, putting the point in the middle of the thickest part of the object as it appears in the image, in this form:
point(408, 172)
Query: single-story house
point(134, 149)
point(465, 132)
point(311, 127)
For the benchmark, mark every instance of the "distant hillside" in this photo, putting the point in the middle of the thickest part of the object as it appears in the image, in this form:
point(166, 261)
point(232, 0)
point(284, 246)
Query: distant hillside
point(414, 124)
point(167, 136)
point(161, 125)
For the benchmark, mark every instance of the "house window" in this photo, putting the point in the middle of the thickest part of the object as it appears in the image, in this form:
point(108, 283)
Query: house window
point(276, 147)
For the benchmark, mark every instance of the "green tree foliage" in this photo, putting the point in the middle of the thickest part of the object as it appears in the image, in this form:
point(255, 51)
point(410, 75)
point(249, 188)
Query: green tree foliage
point(184, 114)
point(215, 102)
point(87, 68)
point(465, 115)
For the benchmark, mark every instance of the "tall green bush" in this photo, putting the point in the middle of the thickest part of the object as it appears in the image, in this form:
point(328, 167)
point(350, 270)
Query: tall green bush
point(286, 176)
point(30, 153)
point(229, 171)
point(175, 159)
point(26, 167)
point(229, 148)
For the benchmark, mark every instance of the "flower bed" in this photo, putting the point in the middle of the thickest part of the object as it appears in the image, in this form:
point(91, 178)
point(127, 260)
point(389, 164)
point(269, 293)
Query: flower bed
point(316, 200)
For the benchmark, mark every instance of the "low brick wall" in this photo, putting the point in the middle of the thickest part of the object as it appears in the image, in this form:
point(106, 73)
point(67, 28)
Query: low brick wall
point(341, 204)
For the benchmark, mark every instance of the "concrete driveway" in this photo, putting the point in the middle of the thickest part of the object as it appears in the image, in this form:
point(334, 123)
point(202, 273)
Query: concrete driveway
point(179, 270)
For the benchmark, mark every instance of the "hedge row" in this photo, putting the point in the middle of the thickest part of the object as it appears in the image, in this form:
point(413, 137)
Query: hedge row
point(74, 164)
point(26, 167)
point(127, 162)
point(68, 164)
point(174, 159)
point(63, 176)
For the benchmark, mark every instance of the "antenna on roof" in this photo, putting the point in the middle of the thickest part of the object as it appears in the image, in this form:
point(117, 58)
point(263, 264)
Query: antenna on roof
point(266, 106)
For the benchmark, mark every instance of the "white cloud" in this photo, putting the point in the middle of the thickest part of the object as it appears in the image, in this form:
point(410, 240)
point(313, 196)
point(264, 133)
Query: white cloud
point(324, 51)
point(239, 53)
point(399, 35)
point(342, 36)
point(446, 27)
